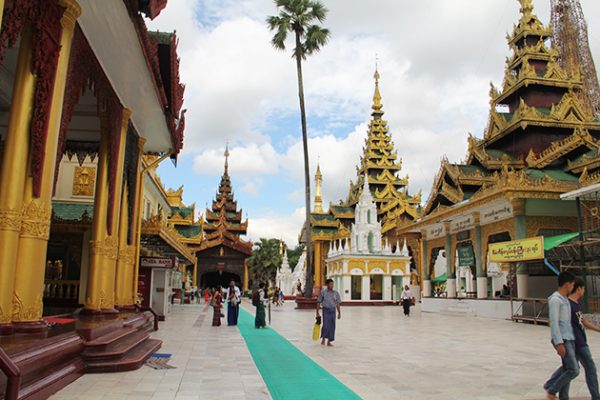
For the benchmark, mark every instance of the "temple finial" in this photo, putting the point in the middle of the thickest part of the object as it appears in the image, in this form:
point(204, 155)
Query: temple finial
point(377, 106)
point(227, 158)
point(318, 194)
point(526, 7)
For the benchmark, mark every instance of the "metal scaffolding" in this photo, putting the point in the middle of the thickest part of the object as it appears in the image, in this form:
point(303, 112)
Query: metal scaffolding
point(570, 38)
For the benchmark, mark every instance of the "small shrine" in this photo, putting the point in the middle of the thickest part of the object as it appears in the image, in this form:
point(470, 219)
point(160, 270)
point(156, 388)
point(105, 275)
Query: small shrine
point(285, 279)
point(222, 254)
point(364, 267)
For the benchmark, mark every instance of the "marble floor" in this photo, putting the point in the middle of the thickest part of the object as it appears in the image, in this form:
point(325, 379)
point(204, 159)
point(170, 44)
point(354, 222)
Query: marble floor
point(211, 363)
point(379, 354)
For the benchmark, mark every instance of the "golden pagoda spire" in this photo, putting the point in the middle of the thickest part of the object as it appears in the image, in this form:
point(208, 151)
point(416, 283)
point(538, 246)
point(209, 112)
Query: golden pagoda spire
point(227, 158)
point(318, 196)
point(377, 106)
point(526, 7)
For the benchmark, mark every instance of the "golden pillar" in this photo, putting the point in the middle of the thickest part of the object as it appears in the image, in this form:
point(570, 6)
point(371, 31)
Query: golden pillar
point(1, 11)
point(137, 220)
point(13, 173)
point(245, 283)
point(35, 222)
point(318, 267)
point(122, 295)
point(95, 299)
point(104, 247)
point(195, 276)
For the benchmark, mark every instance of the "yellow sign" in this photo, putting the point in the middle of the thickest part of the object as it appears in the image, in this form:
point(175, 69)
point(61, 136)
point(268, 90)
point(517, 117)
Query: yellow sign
point(517, 250)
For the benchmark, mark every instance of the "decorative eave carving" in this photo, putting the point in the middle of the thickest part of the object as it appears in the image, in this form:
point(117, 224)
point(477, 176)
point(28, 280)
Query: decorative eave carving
point(586, 162)
point(559, 148)
point(569, 113)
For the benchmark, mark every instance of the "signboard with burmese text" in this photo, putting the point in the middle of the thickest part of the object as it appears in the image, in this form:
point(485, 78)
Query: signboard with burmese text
point(517, 250)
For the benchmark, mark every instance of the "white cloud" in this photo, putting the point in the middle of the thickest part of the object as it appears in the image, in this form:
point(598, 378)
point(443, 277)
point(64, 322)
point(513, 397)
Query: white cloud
point(437, 58)
point(275, 225)
point(251, 186)
point(244, 161)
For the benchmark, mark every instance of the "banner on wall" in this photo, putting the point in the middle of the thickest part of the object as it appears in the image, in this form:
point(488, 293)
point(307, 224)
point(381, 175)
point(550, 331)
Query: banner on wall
point(466, 257)
point(517, 250)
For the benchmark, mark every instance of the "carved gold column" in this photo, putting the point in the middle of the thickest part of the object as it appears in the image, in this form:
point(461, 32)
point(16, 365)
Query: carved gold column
point(12, 176)
point(132, 273)
point(104, 246)
point(195, 276)
point(137, 221)
point(318, 267)
point(122, 280)
point(94, 295)
point(35, 223)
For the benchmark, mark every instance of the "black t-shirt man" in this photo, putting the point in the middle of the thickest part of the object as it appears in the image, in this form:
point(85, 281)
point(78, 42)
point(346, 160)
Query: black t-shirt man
point(577, 323)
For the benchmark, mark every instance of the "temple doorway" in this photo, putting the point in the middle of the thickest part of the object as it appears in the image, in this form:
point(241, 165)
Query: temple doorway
point(356, 287)
point(376, 287)
point(216, 278)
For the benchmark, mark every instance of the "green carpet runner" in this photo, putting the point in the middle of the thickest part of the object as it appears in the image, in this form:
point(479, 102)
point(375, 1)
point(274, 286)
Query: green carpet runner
point(289, 373)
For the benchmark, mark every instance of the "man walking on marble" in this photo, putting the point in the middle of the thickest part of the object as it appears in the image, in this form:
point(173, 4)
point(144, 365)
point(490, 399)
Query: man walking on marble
point(330, 301)
point(563, 338)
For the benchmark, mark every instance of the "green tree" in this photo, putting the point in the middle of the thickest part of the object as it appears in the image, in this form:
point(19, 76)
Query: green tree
point(301, 18)
point(294, 255)
point(265, 260)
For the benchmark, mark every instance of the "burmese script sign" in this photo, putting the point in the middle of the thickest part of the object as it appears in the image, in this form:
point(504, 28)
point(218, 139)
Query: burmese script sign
point(496, 213)
point(517, 250)
point(156, 262)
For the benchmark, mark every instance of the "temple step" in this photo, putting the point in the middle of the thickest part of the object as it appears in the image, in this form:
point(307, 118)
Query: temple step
point(118, 347)
point(108, 339)
point(128, 362)
point(47, 365)
point(141, 320)
point(53, 380)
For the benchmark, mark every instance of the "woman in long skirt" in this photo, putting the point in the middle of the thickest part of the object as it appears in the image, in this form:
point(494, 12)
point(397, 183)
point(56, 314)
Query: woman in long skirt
point(217, 301)
point(260, 320)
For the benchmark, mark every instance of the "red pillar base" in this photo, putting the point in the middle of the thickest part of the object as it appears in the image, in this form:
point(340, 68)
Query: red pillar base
point(30, 327)
point(102, 311)
point(304, 303)
point(6, 329)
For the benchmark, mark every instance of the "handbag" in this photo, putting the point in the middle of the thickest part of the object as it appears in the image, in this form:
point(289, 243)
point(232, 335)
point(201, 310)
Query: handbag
point(317, 329)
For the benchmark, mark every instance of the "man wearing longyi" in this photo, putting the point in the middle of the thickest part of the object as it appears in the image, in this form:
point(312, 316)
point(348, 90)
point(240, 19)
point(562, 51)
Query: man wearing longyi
point(329, 300)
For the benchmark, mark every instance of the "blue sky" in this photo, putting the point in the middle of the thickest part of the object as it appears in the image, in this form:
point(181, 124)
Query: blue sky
point(436, 60)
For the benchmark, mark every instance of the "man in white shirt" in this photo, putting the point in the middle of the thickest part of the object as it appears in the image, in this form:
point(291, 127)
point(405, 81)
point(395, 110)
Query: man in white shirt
point(233, 297)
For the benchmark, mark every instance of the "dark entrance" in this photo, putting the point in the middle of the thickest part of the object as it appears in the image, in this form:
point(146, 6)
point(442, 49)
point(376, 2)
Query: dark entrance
point(216, 278)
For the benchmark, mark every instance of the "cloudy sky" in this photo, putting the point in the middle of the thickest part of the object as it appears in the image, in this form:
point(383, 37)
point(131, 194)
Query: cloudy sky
point(436, 60)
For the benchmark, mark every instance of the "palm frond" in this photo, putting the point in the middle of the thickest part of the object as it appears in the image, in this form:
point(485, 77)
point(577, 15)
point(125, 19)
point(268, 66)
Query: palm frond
point(318, 11)
point(316, 37)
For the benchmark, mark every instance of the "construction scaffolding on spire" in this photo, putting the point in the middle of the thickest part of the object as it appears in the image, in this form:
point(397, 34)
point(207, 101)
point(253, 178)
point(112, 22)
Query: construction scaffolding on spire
point(570, 38)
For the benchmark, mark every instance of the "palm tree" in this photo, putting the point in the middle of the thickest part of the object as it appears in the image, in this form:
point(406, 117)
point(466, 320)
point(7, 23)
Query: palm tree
point(264, 261)
point(301, 18)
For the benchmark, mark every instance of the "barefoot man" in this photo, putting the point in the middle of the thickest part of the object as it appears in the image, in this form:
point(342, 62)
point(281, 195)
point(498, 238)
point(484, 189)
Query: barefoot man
point(329, 300)
point(563, 338)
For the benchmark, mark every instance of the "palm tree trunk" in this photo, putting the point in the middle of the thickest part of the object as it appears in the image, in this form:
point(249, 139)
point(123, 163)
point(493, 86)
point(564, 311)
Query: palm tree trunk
point(309, 265)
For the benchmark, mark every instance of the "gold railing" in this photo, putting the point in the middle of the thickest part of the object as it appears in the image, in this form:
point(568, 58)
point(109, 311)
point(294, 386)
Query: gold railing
point(61, 289)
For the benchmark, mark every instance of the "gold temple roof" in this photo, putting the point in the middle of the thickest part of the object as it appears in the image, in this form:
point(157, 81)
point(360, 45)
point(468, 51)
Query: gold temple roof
point(541, 137)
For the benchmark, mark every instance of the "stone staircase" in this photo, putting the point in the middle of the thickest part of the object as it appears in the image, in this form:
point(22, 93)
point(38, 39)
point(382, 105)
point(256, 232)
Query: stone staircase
point(100, 345)
point(47, 366)
point(122, 345)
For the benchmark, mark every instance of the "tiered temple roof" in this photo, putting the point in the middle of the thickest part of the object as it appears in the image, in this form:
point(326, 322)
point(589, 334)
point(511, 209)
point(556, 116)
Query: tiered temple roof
point(381, 164)
point(541, 136)
point(223, 223)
